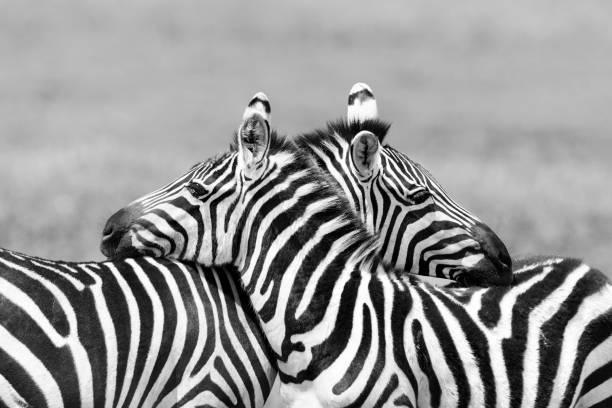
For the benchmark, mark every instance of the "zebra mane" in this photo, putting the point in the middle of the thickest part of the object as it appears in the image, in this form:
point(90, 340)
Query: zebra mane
point(369, 244)
point(326, 187)
point(345, 130)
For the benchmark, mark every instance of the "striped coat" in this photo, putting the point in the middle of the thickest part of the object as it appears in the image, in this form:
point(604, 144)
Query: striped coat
point(348, 331)
point(134, 332)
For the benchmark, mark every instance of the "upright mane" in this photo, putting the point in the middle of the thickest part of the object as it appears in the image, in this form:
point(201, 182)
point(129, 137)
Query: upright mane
point(345, 130)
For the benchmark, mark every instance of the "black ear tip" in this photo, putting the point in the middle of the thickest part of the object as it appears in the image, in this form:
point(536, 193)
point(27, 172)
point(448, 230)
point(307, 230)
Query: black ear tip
point(262, 99)
point(360, 91)
point(361, 87)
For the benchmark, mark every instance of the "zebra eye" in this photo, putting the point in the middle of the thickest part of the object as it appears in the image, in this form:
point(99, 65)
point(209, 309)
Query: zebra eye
point(197, 190)
point(418, 196)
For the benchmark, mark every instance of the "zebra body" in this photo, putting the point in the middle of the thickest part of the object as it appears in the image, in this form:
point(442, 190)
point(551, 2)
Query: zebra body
point(348, 331)
point(138, 332)
point(543, 342)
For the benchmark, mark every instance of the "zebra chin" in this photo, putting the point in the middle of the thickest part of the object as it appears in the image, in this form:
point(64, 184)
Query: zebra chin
point(486, 272)
point(496, 266)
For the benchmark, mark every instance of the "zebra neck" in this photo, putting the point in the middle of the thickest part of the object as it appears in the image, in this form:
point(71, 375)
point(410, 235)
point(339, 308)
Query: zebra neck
point(292, 270)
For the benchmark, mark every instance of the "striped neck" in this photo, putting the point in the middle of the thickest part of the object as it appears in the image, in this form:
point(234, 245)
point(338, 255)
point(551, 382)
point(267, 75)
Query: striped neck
point(305, 243)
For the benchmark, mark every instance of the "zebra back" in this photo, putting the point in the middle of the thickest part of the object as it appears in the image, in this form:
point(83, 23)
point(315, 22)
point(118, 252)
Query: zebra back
point(546, 340)
point(134, 332)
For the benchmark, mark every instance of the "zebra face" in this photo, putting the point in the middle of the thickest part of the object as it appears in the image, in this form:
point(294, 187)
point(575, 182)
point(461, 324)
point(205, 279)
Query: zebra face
point(187, 221)
point(450, 240)
point(196, 217)
point(421, 228)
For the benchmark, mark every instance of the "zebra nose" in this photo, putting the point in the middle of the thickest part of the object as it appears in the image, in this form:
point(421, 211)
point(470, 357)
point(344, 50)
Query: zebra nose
point(111, 237)
point(116, 226)
point(495, 251)
point(108, 230)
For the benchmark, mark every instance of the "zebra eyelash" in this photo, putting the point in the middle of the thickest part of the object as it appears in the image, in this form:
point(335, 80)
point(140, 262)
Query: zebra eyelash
point(197, 190)
point(418, 195)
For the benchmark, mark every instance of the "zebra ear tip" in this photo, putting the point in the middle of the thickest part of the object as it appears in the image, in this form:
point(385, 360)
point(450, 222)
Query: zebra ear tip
point(360, 87)
point(259, 96)
point(260, 102)
point(361, 103)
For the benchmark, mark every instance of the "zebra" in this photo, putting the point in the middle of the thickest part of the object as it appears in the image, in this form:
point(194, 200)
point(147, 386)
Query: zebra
point(423, 229)
point(134, 332)
point(345, 329)
point(360, 116)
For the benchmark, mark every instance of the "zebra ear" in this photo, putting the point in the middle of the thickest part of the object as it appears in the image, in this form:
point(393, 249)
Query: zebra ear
point(365, 153)
point(361, 103)
point(254, 132)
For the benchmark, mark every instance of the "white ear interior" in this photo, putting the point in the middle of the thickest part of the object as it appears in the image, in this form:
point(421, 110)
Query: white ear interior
point(361, 103)
point(253, 139)
point(365, 153)
point(254, 132)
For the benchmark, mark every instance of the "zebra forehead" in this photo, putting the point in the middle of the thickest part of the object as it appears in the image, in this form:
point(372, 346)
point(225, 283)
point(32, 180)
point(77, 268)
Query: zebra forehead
point(407, 166)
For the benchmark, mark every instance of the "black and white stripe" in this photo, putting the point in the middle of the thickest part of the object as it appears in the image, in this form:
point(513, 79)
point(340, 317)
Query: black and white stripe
point(422, 230)
point(134, 332)
point(348, 331)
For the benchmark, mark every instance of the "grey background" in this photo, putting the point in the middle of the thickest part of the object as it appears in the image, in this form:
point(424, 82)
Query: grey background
point(507, 103)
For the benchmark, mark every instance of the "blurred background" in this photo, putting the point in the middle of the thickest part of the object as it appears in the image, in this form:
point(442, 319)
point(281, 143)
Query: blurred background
point(506, 103)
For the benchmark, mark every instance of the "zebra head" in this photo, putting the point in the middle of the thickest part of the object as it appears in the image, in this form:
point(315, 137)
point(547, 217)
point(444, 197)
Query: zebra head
point(200, 216)
point(421, 228)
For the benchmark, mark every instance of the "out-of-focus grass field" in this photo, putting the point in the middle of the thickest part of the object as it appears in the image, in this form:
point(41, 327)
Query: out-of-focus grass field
point(507, 103)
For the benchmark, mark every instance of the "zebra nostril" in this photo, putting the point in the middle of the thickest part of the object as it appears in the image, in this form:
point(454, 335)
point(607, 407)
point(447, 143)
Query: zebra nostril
point(110, 240)
point(108, 231)
point(495, 251)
